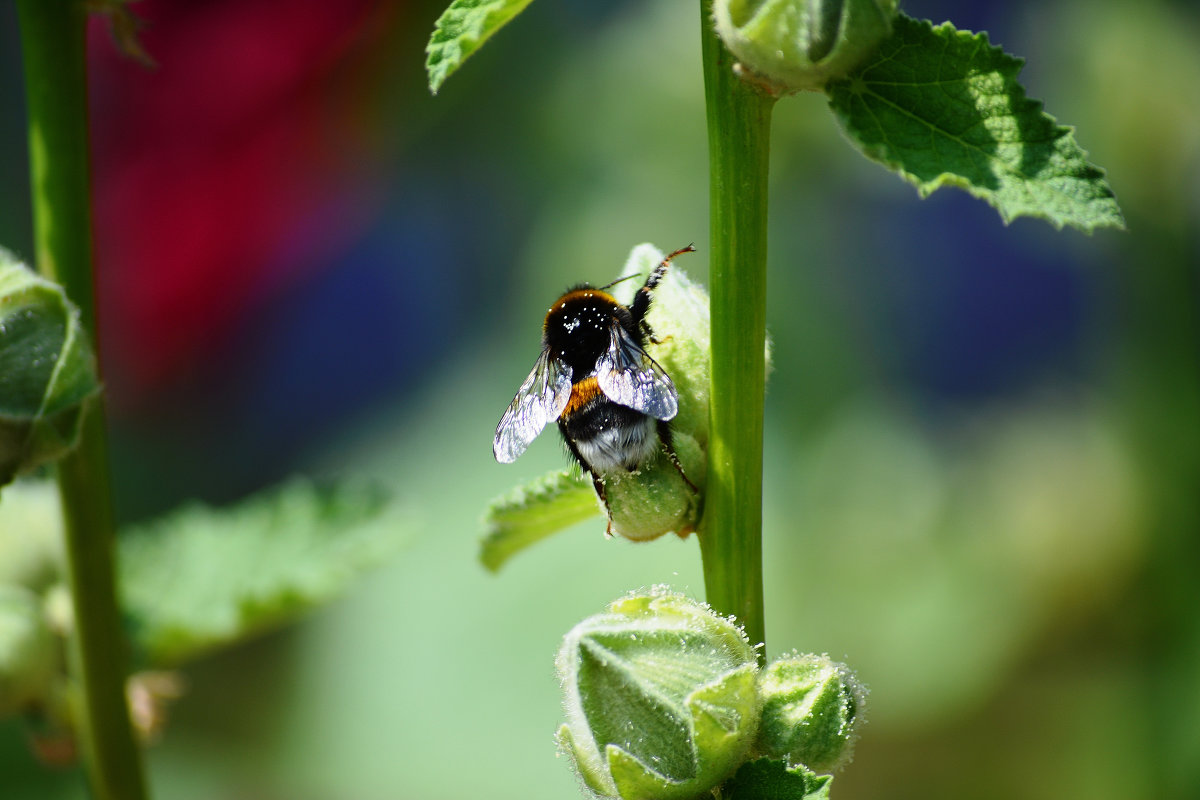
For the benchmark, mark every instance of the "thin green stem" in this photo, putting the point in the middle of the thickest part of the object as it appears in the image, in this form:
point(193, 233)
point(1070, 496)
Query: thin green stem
point(739, 125)
point(53, 44)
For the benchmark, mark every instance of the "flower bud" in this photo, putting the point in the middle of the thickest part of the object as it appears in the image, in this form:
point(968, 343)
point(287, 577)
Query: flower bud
point(660, 697)
point(802, 44)
point(27, 650)
point(655, 499)
point(46, 370)
point(810, 709)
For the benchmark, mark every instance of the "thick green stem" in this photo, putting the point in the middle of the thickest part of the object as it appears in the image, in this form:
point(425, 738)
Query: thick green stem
point(53, 44)
point(1159, 383)
point(739, 124)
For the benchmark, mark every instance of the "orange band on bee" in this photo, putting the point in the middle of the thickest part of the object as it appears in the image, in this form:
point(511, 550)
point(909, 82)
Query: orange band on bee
point(583, 294)
point(582, 393)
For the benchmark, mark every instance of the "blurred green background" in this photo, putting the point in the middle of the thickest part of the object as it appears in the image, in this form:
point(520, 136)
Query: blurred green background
point(983, 442)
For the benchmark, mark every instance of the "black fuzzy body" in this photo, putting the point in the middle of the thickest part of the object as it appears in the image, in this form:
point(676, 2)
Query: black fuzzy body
point(601, 435)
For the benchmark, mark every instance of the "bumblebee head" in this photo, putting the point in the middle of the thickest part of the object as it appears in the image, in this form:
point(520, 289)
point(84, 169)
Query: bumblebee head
point(578, 327)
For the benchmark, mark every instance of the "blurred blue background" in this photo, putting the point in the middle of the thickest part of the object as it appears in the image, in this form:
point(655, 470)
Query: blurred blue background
point(982, 464)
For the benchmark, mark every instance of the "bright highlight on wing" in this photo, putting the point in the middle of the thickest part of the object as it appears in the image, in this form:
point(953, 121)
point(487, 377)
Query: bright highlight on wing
point(629, 377)
point(539, 401)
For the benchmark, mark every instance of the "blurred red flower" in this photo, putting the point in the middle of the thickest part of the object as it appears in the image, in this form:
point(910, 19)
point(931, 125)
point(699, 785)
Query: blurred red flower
point(222, 173)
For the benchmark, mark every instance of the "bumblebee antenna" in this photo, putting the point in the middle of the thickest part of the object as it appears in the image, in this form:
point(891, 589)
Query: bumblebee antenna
point(618, 280)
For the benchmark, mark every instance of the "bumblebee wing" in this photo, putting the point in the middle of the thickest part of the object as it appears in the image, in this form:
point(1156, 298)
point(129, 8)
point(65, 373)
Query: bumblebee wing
point(629, 377)
point(540, 400)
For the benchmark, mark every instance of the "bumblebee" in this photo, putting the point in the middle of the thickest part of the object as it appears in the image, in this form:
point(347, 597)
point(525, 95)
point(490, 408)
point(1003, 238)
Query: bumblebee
point(611, 400)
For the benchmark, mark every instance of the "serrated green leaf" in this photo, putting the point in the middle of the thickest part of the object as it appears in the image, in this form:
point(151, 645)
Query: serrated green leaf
point(943, 108)
point(47, 370)
point(768, 779)
point(532, 512)
point(203, 577)
point(461, 30)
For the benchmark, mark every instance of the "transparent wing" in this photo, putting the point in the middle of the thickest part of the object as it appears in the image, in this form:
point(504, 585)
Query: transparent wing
point(631, 378)
point(540, 400)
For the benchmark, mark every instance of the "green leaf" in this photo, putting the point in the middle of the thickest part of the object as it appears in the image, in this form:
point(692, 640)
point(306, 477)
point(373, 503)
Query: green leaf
point(532, 512)
point(202, 578)
point(47, 370)
point(943, 108)
point(768, 779)
point(461, 30)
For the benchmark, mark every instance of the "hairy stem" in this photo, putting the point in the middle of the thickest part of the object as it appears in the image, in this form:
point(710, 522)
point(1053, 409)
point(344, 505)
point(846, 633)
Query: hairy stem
point(739, 123)
point(53, 44)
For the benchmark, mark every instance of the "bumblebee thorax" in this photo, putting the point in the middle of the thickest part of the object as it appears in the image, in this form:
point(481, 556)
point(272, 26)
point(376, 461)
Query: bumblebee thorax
point(578, 327)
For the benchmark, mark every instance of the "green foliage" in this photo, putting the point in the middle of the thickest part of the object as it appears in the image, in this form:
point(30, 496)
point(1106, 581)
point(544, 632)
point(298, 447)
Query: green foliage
point(942, 107)
point(801, 45)
point(202, 577)
point(47, 371)
point(534, 511)
point(195, 580)
point(767, 779)
point(461, 30)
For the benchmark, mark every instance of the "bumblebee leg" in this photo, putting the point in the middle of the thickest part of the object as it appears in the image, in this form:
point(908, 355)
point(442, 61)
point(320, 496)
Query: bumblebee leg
point(648, 332)
point(641, 301)
point(596, 482)
point(664, 435)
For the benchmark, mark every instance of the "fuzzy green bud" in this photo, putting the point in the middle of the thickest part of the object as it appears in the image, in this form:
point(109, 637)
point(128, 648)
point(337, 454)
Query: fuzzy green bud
point(802, 44)
point(811, 707)
point(655, 499)
point(27, 650)
point(46, 370)
point(660, 697)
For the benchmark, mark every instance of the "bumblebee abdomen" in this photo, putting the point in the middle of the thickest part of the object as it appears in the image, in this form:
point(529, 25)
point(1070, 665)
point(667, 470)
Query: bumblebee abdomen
point(608, 436)
point(582, 393)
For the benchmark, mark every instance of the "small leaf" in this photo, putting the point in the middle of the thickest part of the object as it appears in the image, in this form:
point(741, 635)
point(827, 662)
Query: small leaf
point(202, 577)
point(767, 779)
point(461, 30)
point(532, 512)
point(47, 370)
point(943, 108)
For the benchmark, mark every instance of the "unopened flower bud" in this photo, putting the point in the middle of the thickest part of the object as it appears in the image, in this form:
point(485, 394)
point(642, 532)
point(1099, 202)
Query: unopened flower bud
point(660, 697)
point(802, 44)
point(656, 499)
point(46, 370)
point(811, 706)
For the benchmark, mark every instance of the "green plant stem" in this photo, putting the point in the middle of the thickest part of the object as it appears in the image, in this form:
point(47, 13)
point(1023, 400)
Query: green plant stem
point(1158, 380)
point(739, 125)
point(54, 48)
